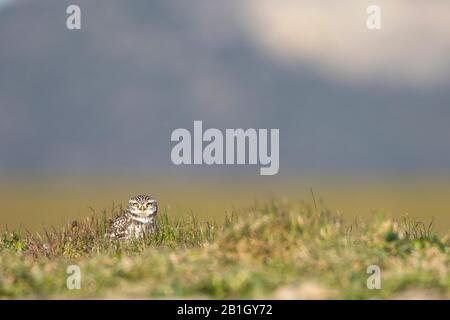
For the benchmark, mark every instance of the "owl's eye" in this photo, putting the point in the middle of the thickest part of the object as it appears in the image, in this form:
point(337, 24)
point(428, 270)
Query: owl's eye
point(135, 204)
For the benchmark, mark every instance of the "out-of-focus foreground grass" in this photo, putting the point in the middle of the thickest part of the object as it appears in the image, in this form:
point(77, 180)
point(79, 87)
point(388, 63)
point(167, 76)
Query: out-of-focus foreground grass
point(281, 250)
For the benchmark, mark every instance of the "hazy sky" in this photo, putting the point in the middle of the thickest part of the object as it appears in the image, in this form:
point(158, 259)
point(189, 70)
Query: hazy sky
point(412, 47)
point(109, 95)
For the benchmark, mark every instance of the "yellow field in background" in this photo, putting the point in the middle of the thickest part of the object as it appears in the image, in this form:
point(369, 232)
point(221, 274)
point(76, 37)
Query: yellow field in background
point(31, 204)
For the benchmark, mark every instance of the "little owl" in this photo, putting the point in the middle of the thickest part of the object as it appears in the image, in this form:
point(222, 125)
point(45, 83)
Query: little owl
point(137, 220)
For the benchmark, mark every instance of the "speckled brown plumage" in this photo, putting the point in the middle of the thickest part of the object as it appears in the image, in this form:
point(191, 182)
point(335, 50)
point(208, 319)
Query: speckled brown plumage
point(137, 219)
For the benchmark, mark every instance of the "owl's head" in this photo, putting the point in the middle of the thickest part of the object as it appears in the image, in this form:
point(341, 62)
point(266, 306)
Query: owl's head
point(142, 206)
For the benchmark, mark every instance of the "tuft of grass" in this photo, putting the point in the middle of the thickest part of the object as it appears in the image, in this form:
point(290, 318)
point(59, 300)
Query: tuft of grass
point(279, 250)
point(86, 237)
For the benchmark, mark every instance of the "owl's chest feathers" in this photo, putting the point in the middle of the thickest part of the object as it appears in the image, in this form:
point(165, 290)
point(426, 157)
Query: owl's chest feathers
point(138, 227)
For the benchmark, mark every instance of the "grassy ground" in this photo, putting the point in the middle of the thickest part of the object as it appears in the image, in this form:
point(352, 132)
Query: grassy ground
point(280, 250)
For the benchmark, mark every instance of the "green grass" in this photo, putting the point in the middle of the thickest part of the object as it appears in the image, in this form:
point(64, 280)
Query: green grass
point(279, 250)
